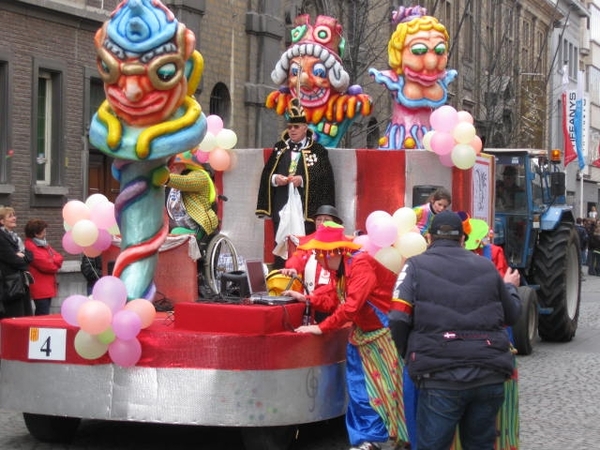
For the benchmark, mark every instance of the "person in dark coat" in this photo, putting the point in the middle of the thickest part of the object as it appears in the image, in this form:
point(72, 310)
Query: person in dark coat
point(14, 257)
point(299, 160)
point(448, 319)
point(91, 268)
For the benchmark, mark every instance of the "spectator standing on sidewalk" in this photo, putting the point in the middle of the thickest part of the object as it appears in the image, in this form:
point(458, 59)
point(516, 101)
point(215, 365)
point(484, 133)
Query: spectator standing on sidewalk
point(44, 266)
point(14, 257)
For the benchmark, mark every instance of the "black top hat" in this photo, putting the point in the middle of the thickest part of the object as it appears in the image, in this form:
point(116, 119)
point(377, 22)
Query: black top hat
point(295, 112)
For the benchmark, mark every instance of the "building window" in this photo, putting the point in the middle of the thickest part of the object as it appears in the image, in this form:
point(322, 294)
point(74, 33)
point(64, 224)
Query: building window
point(220, 103)
point(47, 130)
point(5, 151)
point(44, 127)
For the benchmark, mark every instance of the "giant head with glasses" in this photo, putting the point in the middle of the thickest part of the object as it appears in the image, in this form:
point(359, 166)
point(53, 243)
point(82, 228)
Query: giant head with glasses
point(146, 58)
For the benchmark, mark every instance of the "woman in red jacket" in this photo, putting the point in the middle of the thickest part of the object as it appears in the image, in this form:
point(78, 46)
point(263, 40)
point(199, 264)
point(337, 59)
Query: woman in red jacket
point(44, 267)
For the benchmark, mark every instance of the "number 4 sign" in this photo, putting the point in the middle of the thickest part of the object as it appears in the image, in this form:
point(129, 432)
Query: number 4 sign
point(48, 344)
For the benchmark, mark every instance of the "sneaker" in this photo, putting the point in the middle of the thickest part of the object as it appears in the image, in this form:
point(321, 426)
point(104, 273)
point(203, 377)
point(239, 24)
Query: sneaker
point(367, 446)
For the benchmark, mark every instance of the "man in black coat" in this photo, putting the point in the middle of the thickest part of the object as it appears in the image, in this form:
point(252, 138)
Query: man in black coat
point(299, 160)
point(448, 319)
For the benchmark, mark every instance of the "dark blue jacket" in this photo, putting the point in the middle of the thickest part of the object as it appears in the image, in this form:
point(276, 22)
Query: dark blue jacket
point(460, 308)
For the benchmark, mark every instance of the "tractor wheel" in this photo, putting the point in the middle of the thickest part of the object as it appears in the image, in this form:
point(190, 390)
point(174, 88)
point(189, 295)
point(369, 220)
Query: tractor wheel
point(51, 429)
point(526, 329)
point(557, 271)
point(268, 438)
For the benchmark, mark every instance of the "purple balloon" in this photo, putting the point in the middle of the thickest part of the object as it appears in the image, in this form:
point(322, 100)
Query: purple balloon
point(103, 241)
point(125, 353)
point(70, 308)
point(111, 291)
point(126, 324)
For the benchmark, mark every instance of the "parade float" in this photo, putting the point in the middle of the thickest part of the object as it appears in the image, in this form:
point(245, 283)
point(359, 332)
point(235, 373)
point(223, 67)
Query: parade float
point(206, 363)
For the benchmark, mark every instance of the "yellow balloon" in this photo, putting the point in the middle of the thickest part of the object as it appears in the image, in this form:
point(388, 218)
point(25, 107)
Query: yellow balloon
point(405, 218)
point(463, 156)
point(87, 346)
point(427, 140)
point(208, 143)
point(411, 244)
point(390, 258)
point(84, 232)
point(464, 132)
point(226, 139)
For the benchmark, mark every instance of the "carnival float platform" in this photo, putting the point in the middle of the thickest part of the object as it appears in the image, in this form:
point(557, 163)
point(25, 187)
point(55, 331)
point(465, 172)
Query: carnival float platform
point(211, 364)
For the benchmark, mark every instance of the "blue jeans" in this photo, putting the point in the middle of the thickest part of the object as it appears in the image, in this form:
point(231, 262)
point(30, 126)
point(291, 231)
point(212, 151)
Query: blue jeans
point(439, 411)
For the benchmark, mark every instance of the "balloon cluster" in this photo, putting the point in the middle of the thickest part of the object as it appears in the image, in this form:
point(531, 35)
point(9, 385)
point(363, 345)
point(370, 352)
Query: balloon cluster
point(216, 146)
point(391, 239)
point(453, 137)
point(89, 226)
point(108, 322)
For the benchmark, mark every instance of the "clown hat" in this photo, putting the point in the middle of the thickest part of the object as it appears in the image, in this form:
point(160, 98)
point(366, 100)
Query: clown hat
point(189, 159)
point(330, 236)
point(479, 231)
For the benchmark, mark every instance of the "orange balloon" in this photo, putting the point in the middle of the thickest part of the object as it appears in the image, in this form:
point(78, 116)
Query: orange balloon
point(477, 144)
point(94, 317)
point(219, 159)
point(143, 308)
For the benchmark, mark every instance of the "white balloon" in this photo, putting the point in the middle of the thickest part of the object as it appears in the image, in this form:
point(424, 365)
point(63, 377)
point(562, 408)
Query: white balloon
point(95, 199)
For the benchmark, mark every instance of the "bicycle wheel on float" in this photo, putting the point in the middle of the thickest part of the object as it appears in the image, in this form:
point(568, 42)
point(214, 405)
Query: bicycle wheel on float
point(221, 257)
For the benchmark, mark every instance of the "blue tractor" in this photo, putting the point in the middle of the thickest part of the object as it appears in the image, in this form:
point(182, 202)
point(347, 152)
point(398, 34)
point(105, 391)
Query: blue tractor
point(536, 229)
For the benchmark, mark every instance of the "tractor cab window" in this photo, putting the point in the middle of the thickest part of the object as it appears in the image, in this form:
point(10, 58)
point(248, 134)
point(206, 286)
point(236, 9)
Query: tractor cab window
point(538, 165)
point(510, 187)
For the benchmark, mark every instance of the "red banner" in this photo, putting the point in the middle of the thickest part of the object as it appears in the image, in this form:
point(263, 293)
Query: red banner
point(568, 131)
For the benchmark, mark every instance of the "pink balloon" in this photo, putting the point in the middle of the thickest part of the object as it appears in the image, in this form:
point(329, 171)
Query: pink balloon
point(75, 210)
point(384, 233)
point(442, 143)
point(214, 124)
point(444, 119)
point(219, 159)
point(94, 317)
point(111, 291)
point(367, 244)
point(202, 157)
point(69, 245)
point(103, 241)
point(375, 217)
point(446, 160)
point(70, 307)
point(465, 116)
point(125, 353)
point(126, 324)
point(143, 308)
point(103, 215)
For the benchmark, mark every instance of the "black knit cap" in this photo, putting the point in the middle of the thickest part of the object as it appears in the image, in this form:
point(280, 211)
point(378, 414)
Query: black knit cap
point(447, 225)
